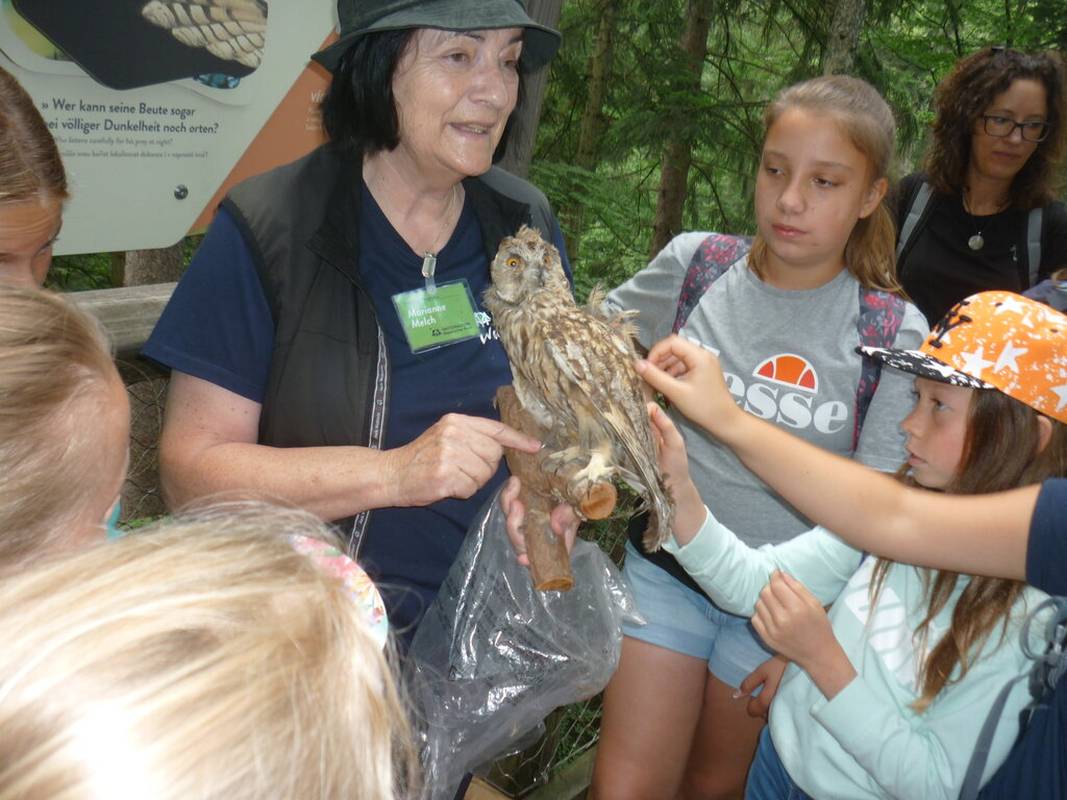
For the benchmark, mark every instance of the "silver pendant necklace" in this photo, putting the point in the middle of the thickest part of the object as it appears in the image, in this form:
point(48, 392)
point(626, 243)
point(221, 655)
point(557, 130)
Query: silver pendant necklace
point(976, 241)
point(429, 257)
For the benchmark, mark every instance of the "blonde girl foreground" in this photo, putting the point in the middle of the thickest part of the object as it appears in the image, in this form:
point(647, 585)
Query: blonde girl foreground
point(907, 667)
point(202, 658)
point(64, 426)
point(824, 240)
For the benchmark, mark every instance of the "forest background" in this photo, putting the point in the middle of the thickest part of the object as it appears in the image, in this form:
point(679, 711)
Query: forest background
point(650, 121)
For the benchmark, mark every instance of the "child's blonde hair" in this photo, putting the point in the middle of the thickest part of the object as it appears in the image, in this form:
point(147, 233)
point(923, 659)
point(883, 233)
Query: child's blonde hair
point(203, 657)
point(30, 166)
point(57, 384)
point(868, 122)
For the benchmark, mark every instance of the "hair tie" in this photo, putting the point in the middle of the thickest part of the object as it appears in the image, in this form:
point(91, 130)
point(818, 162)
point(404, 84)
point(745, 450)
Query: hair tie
point(360, 587)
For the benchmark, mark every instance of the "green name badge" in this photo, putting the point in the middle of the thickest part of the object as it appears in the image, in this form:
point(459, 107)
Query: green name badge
point(437, 317)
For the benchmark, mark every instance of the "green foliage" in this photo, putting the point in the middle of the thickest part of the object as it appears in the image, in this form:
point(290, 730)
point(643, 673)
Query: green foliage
point(755, 48)
point(76, 273)
point(80, 272)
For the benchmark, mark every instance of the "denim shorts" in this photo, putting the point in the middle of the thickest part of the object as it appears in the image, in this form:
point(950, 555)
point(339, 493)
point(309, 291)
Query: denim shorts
point(767, 779)
point(685, 621)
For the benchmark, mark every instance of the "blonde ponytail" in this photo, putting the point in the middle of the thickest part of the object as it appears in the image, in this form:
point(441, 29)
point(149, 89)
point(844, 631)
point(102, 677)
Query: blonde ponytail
point(870, 253)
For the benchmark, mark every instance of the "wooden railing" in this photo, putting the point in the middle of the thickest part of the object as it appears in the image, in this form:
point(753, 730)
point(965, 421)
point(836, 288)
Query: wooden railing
point(128, 314)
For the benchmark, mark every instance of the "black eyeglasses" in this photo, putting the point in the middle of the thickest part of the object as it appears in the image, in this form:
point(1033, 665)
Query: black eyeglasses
point(1002, 127)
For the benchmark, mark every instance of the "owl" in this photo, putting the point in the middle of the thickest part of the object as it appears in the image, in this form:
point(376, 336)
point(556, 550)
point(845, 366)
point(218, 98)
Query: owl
point(573, 372)
point(232, 30)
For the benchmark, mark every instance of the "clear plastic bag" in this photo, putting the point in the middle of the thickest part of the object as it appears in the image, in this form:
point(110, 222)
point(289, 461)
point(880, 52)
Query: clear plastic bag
point(493, 656)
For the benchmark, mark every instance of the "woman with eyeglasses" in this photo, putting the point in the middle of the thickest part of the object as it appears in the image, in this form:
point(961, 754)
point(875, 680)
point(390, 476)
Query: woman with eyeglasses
point(982, 215)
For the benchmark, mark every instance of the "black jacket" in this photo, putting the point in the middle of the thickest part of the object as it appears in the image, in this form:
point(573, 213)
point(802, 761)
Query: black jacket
point(329, 373)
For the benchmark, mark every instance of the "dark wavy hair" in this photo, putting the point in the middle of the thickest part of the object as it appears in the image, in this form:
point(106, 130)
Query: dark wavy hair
point(359, 111)
point(963, 96)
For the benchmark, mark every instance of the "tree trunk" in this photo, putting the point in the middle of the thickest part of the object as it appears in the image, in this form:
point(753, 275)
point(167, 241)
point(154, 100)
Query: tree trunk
point(845, 29)
point(154, 266)
point(521, 143)
point(598, 74)
point(678, 149)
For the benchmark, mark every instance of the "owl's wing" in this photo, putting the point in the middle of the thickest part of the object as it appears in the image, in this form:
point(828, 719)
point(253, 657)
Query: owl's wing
point(591, 360)
point(232, 30)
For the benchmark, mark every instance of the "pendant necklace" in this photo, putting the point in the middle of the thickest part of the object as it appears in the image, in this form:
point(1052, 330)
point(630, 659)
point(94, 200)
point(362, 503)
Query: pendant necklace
point(429, 258)
point(976, 241)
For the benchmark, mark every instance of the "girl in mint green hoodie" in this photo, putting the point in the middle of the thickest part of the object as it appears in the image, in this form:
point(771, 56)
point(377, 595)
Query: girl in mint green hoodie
point(888, 692)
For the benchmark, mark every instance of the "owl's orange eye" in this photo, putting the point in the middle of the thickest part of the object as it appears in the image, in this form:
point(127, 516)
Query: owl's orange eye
point(512, 262)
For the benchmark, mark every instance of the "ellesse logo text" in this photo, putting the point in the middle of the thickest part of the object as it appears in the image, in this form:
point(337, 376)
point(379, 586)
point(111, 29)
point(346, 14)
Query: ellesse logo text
point(785, 392)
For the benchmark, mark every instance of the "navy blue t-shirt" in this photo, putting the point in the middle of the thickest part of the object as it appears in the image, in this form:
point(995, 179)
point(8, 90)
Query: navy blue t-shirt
point(1037, 765)
point(1046, 549)
point(218, 327)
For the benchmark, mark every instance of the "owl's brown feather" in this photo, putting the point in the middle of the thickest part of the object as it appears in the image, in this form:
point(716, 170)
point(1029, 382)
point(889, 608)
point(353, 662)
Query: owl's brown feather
point(573, 369)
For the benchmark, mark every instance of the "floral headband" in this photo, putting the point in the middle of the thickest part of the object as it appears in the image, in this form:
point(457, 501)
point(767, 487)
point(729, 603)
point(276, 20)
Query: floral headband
point(336, 564)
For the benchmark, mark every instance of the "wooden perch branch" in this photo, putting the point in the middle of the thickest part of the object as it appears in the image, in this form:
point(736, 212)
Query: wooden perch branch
point(541, 491)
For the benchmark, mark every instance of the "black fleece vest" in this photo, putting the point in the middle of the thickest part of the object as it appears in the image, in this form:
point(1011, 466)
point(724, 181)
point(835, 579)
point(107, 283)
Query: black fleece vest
point(329, 372)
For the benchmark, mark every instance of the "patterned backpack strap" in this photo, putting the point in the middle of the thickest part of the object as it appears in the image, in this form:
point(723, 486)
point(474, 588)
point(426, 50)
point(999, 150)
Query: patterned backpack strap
point(881, 314)
point(716, 254)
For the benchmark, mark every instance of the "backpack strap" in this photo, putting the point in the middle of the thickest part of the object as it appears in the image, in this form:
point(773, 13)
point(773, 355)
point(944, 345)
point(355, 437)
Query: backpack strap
point(881, 314)
point(972, 778)
point(1049, 667)
point(915, 214)
point(716, 254)
point(1033, 243)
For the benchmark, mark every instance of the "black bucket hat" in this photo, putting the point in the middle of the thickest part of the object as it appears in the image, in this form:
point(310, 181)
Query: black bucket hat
point(359, 17)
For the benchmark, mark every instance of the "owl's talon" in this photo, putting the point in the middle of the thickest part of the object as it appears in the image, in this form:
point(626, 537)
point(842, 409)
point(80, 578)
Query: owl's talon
point(598, 470)
point(561, 461)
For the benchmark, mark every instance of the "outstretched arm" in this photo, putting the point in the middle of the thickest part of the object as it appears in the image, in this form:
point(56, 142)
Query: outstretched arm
point(209, 446)
point(869, 510)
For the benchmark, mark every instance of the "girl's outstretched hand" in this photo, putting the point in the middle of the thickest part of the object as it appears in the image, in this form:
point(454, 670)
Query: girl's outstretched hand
point(689, 510)
point(793, 622)
point(691, 378)
point(670, 448)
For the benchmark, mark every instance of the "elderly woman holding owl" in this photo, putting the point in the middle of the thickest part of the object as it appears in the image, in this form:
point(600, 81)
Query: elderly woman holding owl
point(328, 345)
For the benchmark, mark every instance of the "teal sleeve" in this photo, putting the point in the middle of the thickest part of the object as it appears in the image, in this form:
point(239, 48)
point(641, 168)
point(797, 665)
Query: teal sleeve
point(732, 573)
point(926, 755)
